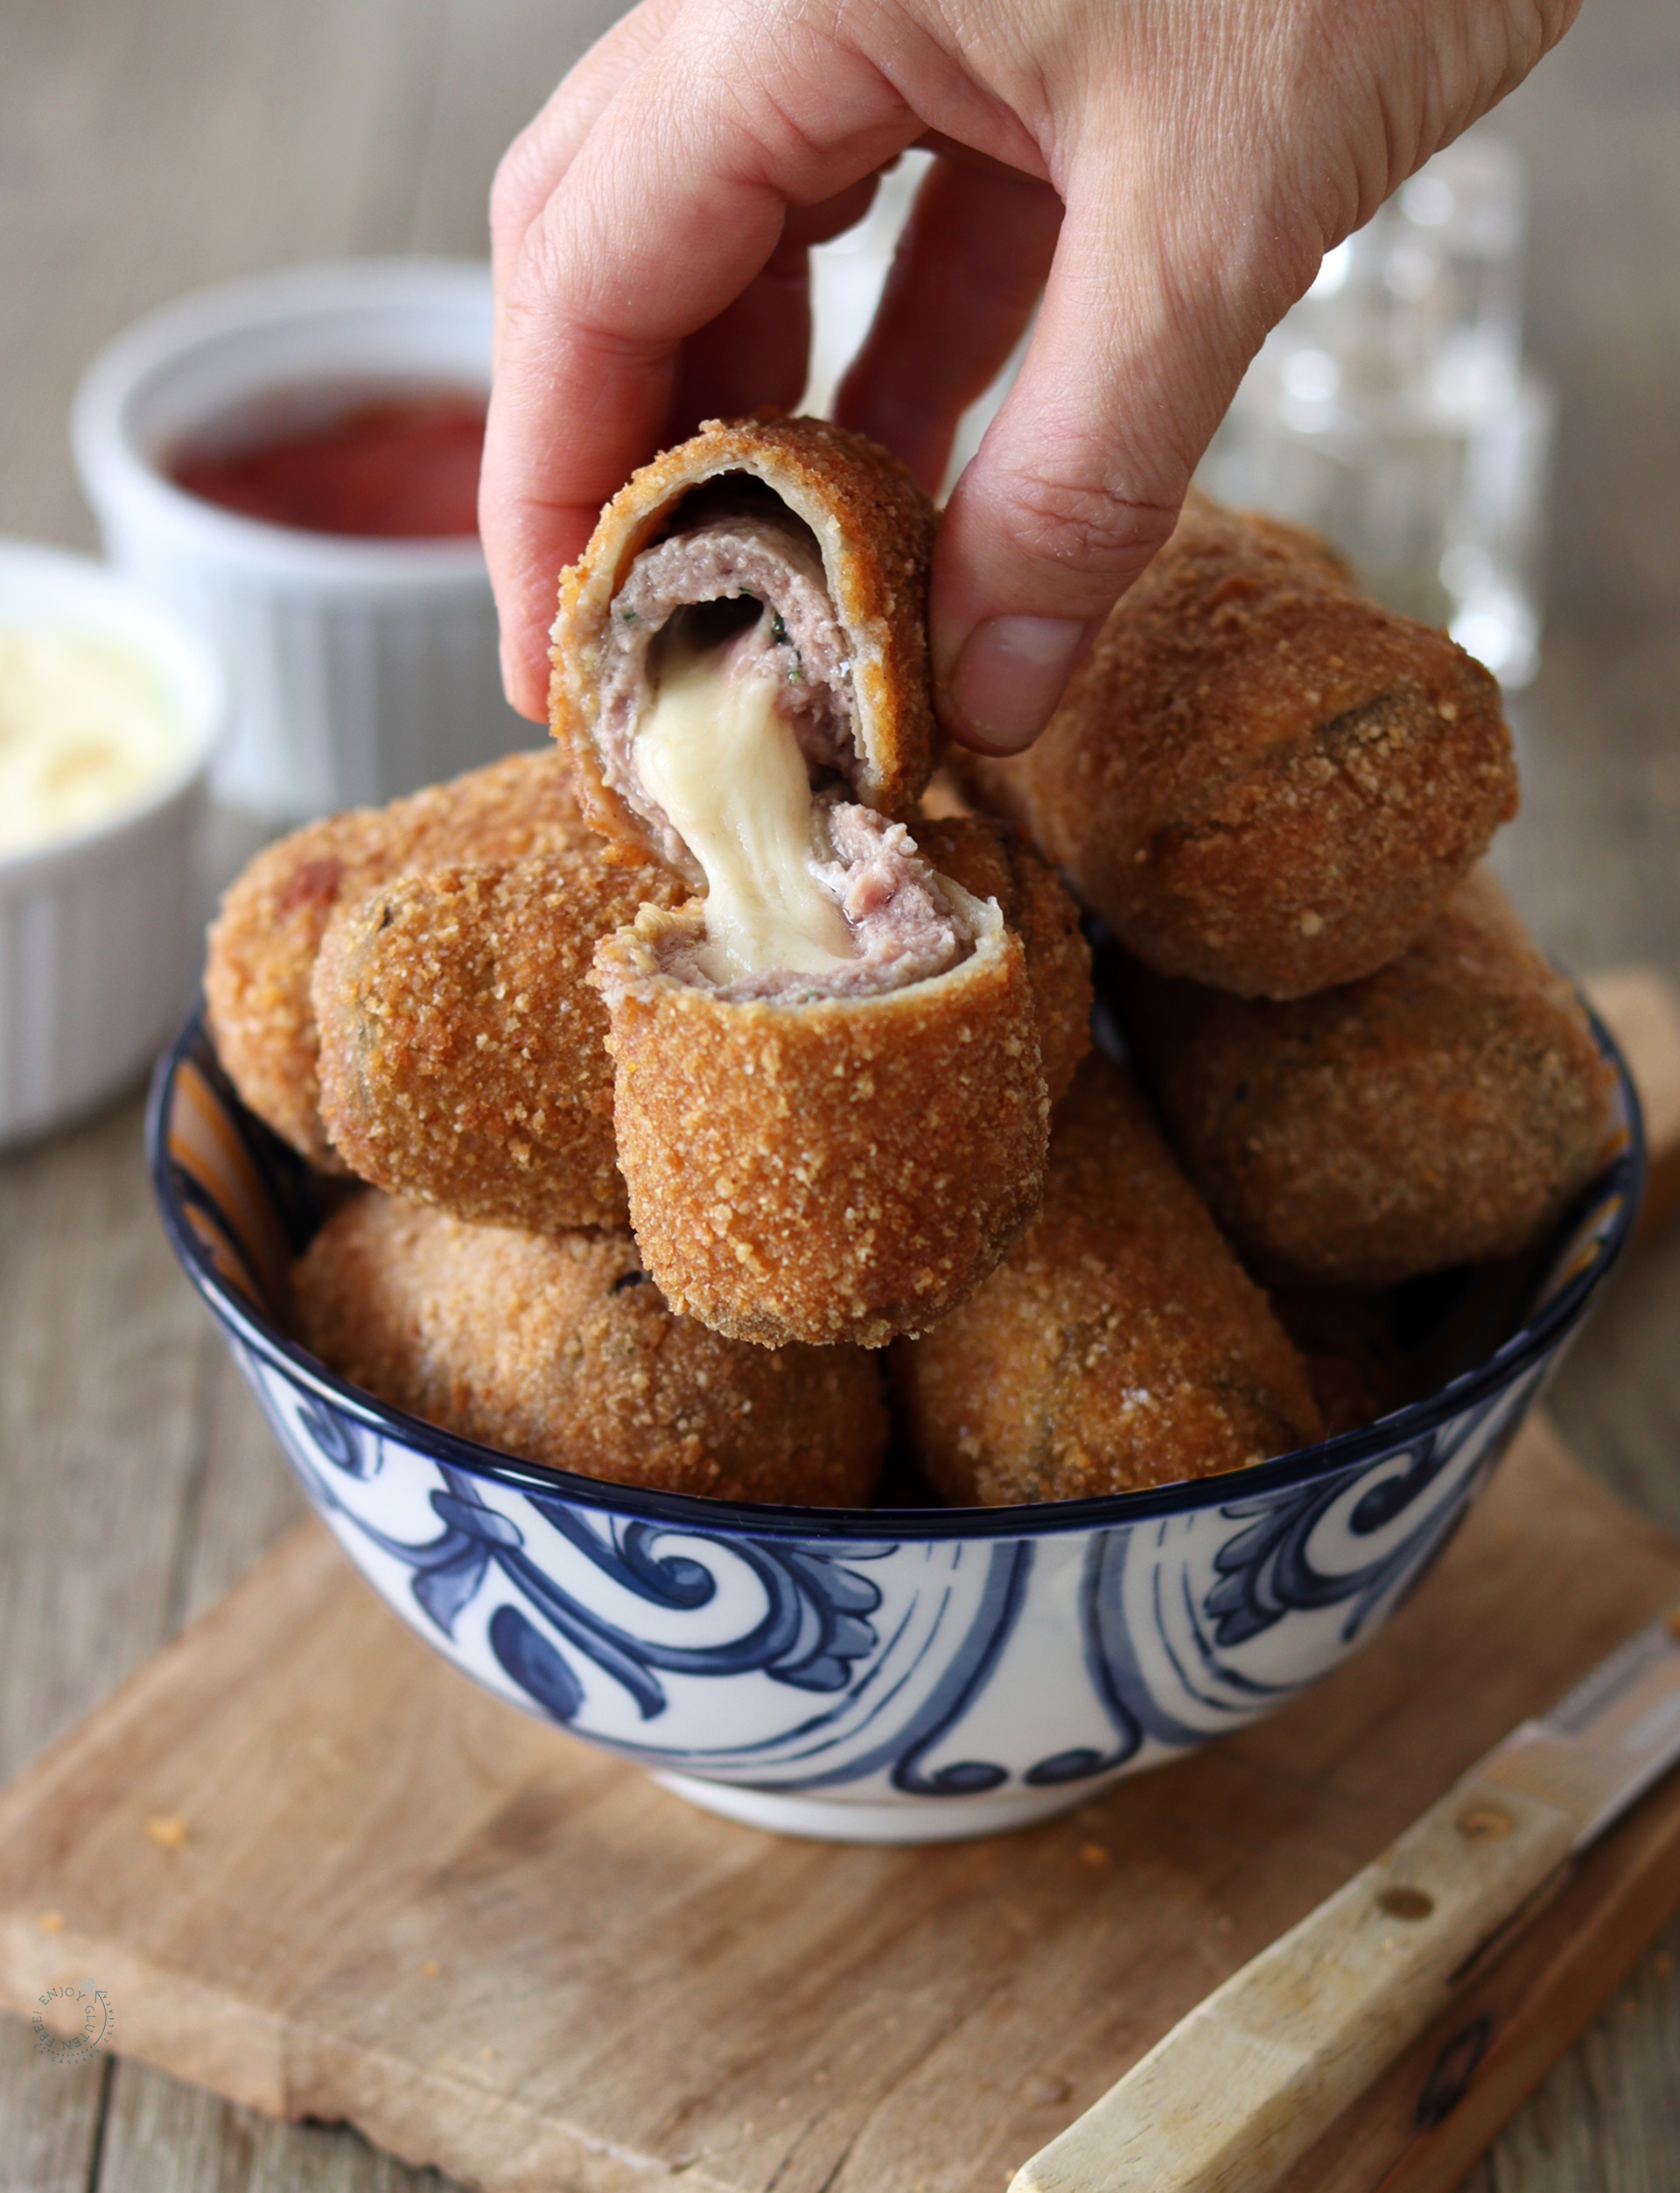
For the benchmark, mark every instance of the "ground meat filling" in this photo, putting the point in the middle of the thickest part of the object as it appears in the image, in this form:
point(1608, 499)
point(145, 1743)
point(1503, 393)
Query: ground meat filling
point(906, 924)
point(744, 591)
point(756, 554)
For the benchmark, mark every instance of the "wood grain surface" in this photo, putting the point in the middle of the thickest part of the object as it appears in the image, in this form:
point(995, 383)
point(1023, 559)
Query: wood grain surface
point(148, 148)
point(317, 1873)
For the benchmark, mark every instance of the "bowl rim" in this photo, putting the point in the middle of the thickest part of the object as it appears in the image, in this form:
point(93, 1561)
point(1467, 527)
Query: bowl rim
point(1623, 1175)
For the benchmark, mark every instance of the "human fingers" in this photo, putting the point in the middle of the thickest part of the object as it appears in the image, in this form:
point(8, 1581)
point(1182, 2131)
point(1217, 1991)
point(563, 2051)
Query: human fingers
point(672, 205)
point(535, 163)
point(968, 269)
point(755, 352)
point(1160, 289)
point(1206, 159)
point(758, 349)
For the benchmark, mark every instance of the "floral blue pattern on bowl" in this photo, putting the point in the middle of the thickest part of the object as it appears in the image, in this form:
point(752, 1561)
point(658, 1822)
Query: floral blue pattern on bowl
point(892, 1674)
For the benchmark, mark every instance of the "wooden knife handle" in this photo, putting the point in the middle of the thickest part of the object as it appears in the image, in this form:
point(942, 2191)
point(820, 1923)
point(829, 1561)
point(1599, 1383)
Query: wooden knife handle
point(1228, 2099)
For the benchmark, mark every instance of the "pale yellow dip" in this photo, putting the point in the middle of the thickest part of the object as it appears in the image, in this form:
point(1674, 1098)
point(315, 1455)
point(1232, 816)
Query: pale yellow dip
point(86, 731)
point(721, 759)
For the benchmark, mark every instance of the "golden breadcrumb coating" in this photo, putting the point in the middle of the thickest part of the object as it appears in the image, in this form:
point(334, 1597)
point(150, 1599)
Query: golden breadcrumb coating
point(843, 1169)
point(875, 529)
point(263, 943)
point(463, 1054)
point(1441, 1111)
point(560, 1350)
point(1259, 779)
point(1356, 1371)
point(1119, 1344)
point(993, 860)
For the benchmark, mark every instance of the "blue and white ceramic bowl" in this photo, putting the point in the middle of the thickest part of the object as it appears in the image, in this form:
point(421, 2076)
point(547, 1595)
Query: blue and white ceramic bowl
point(893, 1675)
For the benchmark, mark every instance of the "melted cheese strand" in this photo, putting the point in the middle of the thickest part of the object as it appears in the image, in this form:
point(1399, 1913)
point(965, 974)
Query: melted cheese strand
point(721, 759)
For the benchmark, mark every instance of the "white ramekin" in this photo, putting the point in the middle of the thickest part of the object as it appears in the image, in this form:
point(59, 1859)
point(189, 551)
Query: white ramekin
point(100, 935)
point(359, 669)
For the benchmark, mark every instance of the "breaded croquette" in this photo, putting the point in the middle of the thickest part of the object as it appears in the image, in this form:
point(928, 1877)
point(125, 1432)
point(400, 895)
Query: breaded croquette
point(1119, 1345)
point(1259, 779)
point(993, 860)
point(1441, 1111)
point(1355, 1370)
point(843, 1168)
point(828, 1101)
point(462, 1048)
point(562, 1351)
point(263, 942)
point(822, 530)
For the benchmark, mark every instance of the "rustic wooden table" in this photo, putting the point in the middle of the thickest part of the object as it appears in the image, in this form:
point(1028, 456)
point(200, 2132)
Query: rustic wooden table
point(149, 147)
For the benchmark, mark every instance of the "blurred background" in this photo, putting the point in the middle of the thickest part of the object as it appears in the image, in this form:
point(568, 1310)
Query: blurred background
point(1512, 320)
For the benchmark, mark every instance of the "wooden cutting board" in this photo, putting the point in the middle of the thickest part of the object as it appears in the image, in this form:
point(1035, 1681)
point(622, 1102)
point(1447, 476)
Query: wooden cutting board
point(312, 1868)
point(308, 1866)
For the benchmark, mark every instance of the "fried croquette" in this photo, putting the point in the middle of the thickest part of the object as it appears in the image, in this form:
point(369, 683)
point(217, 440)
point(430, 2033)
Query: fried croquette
point(1355, 1370)
point(560, 1350)
point(462, 1048)
point(1442, 1111)
point(828, 1098)
point(1119, 1345)
point(740, 673)
point(840, 1169)
point(1260, 780)
point(819, 536)
point(993, 860)
point(263, 942)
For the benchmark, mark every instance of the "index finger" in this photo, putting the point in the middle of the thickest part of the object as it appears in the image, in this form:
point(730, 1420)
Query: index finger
point(536, 161)
point(673, 204)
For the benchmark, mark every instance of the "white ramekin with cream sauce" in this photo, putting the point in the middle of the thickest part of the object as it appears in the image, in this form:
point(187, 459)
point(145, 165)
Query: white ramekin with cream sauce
point(109, 708)
point(360, 669)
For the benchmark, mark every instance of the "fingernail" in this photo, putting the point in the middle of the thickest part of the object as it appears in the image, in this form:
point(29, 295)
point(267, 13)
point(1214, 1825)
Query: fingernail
point(1009, 678)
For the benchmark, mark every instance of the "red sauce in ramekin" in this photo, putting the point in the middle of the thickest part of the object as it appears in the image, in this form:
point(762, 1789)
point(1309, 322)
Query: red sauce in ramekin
point(405, 468)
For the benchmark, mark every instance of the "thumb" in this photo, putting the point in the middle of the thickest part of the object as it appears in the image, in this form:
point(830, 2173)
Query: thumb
point(1147, 325)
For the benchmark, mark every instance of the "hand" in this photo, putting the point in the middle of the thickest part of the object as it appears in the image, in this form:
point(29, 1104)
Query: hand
point(1169, 172)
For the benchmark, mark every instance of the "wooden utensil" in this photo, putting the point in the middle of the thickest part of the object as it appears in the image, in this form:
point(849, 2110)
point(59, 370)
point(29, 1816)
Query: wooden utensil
point(1238, 2090)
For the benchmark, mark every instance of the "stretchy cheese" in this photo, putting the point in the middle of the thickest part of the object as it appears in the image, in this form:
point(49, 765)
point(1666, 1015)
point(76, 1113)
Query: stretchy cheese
point(720, 756)
point(828, 1105)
